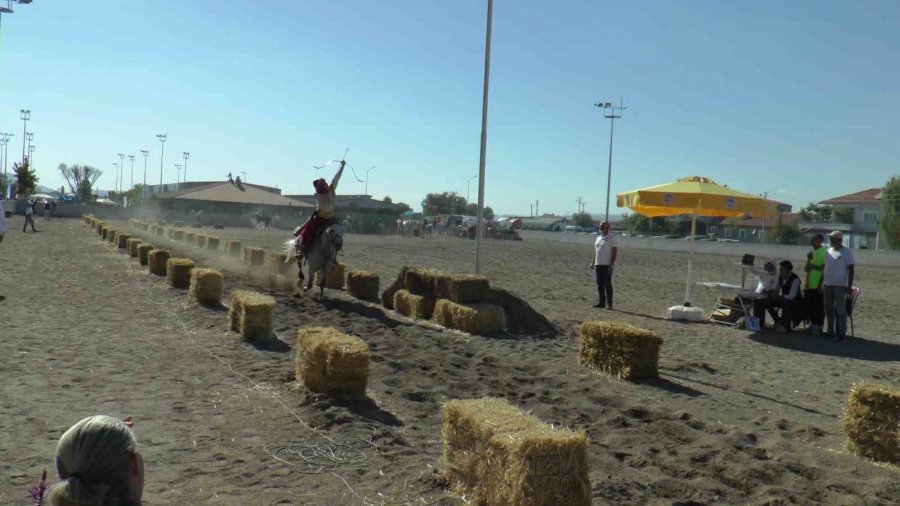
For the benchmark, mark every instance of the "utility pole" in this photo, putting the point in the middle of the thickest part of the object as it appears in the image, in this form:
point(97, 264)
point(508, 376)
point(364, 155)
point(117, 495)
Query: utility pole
point(144, 189)
point(245, 177)
point(162, 152)
point(31, 157)
point(116, 185)
point(484, 116)
point(611, 113)
point(186, 155)
point(25, 115)
point(367, 179)
point(537, 206)
point(131, 157)
point(531, 210)
point(178, 177)
point(122, 170)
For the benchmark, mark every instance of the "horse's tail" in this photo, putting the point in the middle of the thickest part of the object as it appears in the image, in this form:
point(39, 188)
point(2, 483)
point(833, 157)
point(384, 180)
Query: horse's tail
point(290, 249)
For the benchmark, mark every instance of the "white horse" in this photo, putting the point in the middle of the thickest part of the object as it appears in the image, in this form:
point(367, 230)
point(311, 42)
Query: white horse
point(321, 255)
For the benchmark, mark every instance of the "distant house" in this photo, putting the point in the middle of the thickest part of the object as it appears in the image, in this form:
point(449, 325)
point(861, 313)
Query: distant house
point(862, 232)
point(751, 229)
point(545, 223)
point(225, 203)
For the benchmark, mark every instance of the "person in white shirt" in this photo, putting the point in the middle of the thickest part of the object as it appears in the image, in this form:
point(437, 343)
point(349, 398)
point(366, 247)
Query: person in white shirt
point(766, 286)
point(605, 253)
point(837, 285)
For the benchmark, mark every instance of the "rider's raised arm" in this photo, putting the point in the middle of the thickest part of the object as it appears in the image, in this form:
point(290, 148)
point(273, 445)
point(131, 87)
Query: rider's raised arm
point(337, 177)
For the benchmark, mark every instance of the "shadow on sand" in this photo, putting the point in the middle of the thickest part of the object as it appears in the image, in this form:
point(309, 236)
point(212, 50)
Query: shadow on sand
point(671, 386)
point(853, 347)
point(368, 409)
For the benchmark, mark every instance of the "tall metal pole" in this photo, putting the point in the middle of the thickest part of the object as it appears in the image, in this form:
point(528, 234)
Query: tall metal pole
point(144, 189)
point(162, 153)
point(178, 177)
point(121, 170)
point(131, 157)
point(26, 115)
point(116, 184)
point(611, 114)
point(186, 155)
point(367, 179)
point(484, 112)
point(31, 157)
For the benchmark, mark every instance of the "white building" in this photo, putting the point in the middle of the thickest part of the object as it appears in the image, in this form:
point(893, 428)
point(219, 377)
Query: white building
point(862, 232)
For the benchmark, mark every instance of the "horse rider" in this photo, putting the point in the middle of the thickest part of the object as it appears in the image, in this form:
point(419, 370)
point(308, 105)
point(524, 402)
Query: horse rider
point(325, 202)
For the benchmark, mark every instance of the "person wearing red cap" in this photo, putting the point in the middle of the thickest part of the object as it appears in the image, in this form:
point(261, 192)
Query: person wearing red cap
point(325, 204)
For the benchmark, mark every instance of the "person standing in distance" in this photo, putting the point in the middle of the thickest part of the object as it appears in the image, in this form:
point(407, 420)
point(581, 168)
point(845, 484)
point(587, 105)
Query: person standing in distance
point(815, 263)
point(605, 252)
point(837, 284)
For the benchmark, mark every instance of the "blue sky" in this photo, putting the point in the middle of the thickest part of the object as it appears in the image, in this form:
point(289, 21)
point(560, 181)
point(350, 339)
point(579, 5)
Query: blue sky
point(799, 98)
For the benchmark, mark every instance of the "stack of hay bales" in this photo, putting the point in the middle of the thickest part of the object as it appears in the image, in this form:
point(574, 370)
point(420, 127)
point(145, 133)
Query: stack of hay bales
point(620, 350)
point(207, 286)
point(233, 248)
point(144, 253)
point(122, 240)
point(212, 243)
point(254, 256)
point(111, 235)
point(332, 363)
point(132, 246)
point(251, 314)
point(414, 306)
point(462, 304)
point(335, 279)
point(201, 240)
point(178, 224)
point(498, 455)
point(416, 297)
point(178, 272)
point(157, 261)
point(278, 263)
point(176, 234)
point(387, 296)
point(100, 229)
point(363, 285)
point(218, 226)
point(871, 422)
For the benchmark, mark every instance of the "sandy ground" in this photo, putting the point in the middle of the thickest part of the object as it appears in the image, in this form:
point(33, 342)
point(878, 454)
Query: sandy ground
point(736, 418)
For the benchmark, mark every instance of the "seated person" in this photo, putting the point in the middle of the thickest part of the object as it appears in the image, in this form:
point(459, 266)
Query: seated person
point(787, 297)
point(766, 287)
point(98, 463)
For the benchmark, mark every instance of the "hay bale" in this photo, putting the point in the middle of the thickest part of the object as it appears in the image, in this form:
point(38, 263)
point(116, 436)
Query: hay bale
point(280, 282)
point(178, 224)
point(196, 224)
point(101, 230)
point(144, 253)
point(159, 231)
point(363, 285)
point(122, 240)
point(176, 235)
point(332, 363)
point(157, 261)
point(462, 288)
point(212, 243)
point(521, 318)
point(871, 422)
point(178, 272)
point(207, 286)
point(189, 237)
point(335, 279)
point(132, 246)
point(482, 319)
point(201, 240)
point(233, 248)
point(145, 226)
point(279, 262)
point(417, 307)
point(420, 281)
point(498, 455)
point(254, 256)
point(387, 296)
point(621, 350)
point(219, 226)
point(111, 236)
point(251, 314)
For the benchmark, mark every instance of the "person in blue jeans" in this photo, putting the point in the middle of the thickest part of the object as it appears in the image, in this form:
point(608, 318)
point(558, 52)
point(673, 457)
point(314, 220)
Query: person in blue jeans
point(837, 285)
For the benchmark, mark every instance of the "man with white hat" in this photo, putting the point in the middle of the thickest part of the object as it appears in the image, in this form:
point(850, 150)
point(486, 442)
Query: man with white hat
point(837, 284)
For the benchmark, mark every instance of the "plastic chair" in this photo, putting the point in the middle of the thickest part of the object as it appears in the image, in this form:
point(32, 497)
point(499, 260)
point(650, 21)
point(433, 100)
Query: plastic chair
point(851, 303)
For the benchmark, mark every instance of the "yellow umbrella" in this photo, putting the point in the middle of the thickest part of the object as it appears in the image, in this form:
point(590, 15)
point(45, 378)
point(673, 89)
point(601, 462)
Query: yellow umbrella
point(697, 196)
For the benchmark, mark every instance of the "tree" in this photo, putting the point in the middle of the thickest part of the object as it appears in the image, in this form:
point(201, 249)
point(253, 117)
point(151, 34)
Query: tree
point(443, 203)
point(583, 219)
point(403, 207)
point(81, 179)
point(890, 213)
point(842, 215)
point(635, 223)
point(25, 178)
point(472, 210)
point(787, 233)
point(815, 213)
point(387, 199)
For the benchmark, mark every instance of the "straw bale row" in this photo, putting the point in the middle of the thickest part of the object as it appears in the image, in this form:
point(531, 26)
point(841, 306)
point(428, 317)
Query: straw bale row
point(207, 286)
point(233, 248)
point(278, 262)
point(498, 455)
point(414, 306)
point(332, 363)
point(363, 285)
point(157, 261)
point(482, 319)
point(620, 350)
point(335, 278)
point(254, 256)
point(144, 253)
point(131, 246)
point(178, 272)
point(122, 240)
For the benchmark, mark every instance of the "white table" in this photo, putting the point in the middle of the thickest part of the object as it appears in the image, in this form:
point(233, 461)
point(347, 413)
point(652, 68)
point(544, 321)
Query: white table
point(728, 293)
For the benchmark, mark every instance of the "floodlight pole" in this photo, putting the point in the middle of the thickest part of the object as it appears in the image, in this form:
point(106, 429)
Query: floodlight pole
point(162, 153)
point(611, 114)
point(367, 179)
point(122, 169)
point(131, 157)
point(178, 177)
point(484, 114)
point(25, 116)
point(186, 155)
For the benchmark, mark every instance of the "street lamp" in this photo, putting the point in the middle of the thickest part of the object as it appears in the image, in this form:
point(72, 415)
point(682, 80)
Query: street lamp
point(178, 177)
point(610, 111)
point(30, 156)
point(121, 171)
point(144, 189)
point(186, 155)
point(367, 179)
point(131, 157)
point(6, 137)
point(469, 185)
point(483, 154)
point(116, 165)
point(162, 151)
point(25, 115)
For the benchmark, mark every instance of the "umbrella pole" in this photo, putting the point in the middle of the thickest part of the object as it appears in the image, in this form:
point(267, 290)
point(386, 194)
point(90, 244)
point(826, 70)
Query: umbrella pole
point(687, 288)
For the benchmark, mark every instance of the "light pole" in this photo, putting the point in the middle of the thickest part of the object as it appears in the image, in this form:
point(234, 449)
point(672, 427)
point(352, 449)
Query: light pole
point(6, 137)
point(144, 189)
point(162, 152)
point(468, 186)
point(25, 115)
point(116, 185)
point(131, 157)
point(367, 179)
point(186, 155)
point(483, 153)
point(610, 111)
point(31, 157)
point(121, 171)
point(30, 137)
point(178, 177)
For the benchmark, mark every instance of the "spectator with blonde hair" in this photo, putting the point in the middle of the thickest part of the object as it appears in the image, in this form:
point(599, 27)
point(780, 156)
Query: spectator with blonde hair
point(99, 465)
